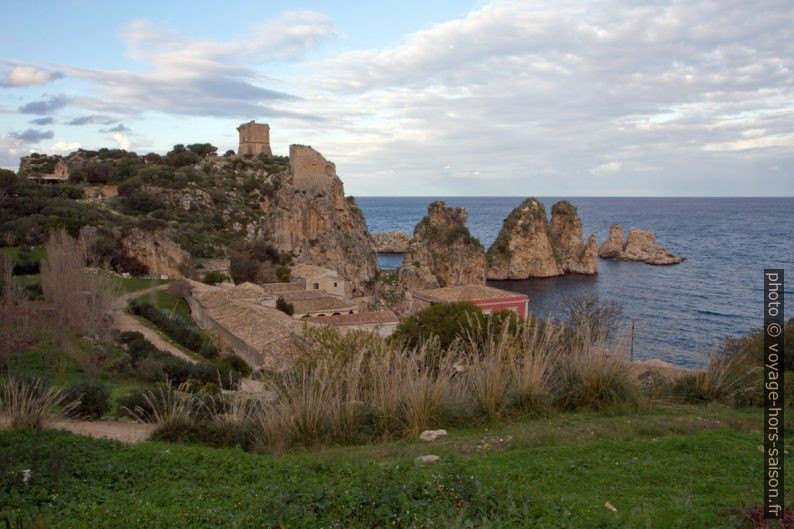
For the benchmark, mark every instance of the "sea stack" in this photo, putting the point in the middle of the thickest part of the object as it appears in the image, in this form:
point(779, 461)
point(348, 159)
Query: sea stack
point(442, 252)
point(566, 237)
point(523, 247)
point(640, 246)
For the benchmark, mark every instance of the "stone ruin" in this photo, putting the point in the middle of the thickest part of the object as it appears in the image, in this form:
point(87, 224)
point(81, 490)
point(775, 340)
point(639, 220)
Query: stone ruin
point(254, 139)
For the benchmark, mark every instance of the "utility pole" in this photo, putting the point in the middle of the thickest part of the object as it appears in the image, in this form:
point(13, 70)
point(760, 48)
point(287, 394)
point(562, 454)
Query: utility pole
point(632, 340)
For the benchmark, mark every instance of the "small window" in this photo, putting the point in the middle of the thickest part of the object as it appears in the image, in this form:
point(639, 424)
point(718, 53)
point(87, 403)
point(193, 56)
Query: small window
point(317, 286)
point(334, 285)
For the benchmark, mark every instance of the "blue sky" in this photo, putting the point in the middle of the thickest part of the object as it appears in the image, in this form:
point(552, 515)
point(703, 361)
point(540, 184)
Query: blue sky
point(618, 98)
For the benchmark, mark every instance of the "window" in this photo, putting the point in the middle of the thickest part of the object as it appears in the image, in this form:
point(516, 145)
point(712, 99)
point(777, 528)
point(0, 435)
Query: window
point(317, 286)
point(334, 284)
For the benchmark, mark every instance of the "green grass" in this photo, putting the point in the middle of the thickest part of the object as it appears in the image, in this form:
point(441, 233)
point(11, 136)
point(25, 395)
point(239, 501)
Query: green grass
point(37, 252)
point(51, 363)
point(133, 284)
point(659, 479)
point(162, 299)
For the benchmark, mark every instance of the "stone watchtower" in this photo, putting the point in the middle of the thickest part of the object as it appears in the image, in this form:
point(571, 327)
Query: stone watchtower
point(254, 139)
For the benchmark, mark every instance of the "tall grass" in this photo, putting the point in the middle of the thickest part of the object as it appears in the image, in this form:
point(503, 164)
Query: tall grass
point(29, 402)
point(359, 388)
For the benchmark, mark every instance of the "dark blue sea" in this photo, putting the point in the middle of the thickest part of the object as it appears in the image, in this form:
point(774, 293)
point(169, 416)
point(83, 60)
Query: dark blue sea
point(679, 311)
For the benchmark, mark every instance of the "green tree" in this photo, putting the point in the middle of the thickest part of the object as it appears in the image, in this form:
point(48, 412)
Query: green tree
point(447, 321)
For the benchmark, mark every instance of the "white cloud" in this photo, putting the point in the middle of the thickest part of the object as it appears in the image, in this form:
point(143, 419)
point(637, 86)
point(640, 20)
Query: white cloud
point(122, 140)
point(62, 147)
point(607, 168)
point(30, 75)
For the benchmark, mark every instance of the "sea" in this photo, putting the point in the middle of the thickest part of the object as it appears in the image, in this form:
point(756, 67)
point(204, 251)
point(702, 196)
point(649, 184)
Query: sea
point(680, 313)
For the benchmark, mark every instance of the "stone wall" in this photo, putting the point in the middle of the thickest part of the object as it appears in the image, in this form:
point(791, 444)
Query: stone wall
point(254, 139)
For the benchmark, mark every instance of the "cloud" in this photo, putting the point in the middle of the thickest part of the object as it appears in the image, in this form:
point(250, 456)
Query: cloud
point(32, 135)
point(607, 168)
point(530, 93)
point(204, 77)
point(93, 119)
point(43, 121)
point(63, 147)
point(118, 128)
point(29, 76)
point(44, 106)
point(122, 140)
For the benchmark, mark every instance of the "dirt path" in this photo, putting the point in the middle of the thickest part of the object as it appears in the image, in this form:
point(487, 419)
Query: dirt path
point(128, 322)
point(126, 432)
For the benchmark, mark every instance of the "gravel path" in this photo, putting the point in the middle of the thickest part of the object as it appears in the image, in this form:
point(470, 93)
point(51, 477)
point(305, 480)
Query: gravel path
point(128, 322)
point(126, 432)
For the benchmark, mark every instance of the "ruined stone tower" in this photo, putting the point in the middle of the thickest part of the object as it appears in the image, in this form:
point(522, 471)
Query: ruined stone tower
point(254, 139)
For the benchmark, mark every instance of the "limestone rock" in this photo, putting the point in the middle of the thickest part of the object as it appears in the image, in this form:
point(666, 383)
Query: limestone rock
point(612, 247)
point(523, 248)
point(426, 460)
point(640, 246)
point(310, 219)
point(391, 241)
point(157, 250)
point(442, 252)
point(566, 235)
point(432, 435)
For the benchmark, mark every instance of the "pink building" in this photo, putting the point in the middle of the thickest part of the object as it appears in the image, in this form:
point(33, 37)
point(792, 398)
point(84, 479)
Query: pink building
point(489, 299)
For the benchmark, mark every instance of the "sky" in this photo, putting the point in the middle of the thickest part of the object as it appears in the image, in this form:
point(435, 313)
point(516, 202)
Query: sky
point(443, 98)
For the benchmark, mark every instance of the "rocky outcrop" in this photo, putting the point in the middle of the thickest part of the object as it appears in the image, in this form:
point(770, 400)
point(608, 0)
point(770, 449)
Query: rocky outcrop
point(391, 241)
point(566, 238)
point(640, 245)
point(442, 252)
point(523, 247)
point(157, 250)
point(309, 219)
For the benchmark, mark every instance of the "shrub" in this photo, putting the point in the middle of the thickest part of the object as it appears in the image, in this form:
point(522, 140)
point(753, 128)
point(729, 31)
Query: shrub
point(212, 433)
point(92, 398)
point(447, 321)
point(137, 400)
point(213, 277)
point(176, 327)
point(283, 306)
point(28, 402)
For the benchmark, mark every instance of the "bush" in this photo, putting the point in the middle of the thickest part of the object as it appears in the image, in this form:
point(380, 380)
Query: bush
point(29, 401)
point(176, 327)
point(93, 399)
point(283, 306)
point(212, 433)
point(213, 277)
point(447, 321)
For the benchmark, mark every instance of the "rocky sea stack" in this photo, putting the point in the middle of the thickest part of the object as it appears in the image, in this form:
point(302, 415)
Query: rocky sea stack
point(566, 234)
point(391, 241)
point(442, 252)
point(527, 246)
point(639, 246)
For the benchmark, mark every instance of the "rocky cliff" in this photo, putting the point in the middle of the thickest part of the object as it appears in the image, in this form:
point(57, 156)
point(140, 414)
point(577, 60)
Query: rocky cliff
point(640, 245)
point(523, 247)
point(391, 241)
point(442, 252)
point(310, 219)
point(157, 251)
point(566, 237)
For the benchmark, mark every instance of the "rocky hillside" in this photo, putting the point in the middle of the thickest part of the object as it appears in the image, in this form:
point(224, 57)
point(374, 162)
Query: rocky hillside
point(442, 252)
point(159, 214)
point(527, 246)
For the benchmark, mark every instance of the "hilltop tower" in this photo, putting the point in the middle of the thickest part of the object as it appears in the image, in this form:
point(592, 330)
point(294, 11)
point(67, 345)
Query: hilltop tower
point(254, 139)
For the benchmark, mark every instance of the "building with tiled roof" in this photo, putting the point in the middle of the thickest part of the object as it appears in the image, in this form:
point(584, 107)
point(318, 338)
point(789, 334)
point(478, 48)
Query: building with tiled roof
point(383, 322)
point(489, 299)
point(319, 278)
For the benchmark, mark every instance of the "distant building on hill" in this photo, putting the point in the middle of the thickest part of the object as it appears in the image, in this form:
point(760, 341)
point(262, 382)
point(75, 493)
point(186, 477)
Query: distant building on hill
point(254, 139)
point(489, 299)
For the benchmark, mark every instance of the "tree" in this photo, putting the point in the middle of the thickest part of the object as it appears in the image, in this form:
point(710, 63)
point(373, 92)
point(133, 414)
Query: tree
point(7, 178)
point(202, 149)
point(447, 321)
point(283, 306)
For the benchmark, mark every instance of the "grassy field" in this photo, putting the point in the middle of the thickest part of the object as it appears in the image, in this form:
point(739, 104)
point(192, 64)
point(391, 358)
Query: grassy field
point(672, 466)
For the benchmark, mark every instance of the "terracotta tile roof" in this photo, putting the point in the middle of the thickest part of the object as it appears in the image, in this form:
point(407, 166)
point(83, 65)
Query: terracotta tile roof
point(362, 318)
point(309, 271)
point(465, 293)
point(304, 294)
point(326, 303)
point(277, 288)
